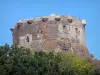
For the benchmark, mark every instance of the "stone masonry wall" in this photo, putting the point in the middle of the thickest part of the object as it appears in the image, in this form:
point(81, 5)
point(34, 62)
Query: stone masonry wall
point(54, 33)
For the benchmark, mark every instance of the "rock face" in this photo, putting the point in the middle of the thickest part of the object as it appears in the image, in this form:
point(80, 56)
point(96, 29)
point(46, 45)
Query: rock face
point(52, 33)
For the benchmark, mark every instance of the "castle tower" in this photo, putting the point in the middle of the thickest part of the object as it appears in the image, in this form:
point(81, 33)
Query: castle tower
point(53, 33)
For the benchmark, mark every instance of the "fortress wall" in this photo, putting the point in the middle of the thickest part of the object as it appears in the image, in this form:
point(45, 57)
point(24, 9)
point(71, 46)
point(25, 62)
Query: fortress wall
point(62, 33)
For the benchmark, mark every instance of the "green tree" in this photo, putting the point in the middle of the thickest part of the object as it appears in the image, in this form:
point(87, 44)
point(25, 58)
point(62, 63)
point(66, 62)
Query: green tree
point(10, 58)
point(16, 60)
point(71, 64)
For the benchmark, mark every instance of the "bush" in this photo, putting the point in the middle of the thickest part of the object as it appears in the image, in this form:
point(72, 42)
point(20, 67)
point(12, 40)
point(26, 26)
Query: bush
point(20, 61)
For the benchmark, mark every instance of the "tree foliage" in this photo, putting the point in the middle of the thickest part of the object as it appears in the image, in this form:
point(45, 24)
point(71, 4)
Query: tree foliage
point(20, 61)
point(75, 65)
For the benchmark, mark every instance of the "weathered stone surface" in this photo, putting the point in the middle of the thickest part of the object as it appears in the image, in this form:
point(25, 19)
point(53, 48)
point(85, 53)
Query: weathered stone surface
point(55, 33)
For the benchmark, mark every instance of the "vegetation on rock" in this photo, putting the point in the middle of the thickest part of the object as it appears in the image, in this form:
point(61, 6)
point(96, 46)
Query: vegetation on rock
point(20, 61)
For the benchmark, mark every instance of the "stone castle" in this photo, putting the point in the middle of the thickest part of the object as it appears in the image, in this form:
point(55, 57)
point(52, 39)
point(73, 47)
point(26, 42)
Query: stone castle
point(52, 33)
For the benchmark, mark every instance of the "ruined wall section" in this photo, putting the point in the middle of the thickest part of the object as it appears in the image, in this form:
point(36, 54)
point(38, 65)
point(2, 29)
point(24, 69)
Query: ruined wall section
point(55, 33)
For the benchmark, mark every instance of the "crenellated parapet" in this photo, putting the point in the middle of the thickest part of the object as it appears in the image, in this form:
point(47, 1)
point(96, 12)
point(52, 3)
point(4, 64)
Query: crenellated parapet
point(57, 18)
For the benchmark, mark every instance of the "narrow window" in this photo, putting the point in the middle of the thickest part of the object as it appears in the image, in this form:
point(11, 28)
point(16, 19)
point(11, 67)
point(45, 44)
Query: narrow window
point(38, 31)
point(27, 39)
point(62, 38)
point(64, 26)
point(76, 29)
point(64, 44)
point(41, 31)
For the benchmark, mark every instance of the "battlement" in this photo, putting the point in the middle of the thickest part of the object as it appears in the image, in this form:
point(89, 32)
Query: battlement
point(52, 17)
point(57, 18)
